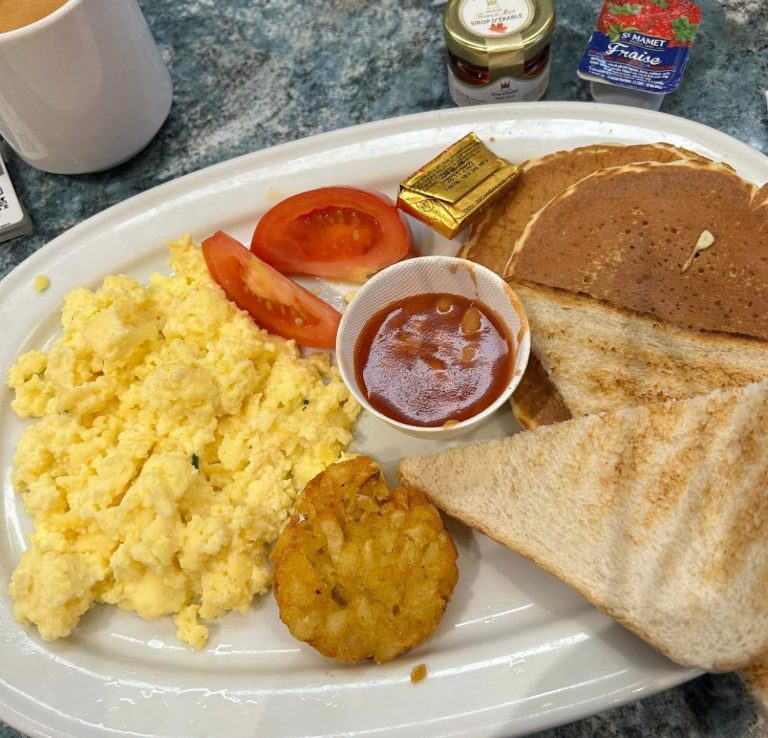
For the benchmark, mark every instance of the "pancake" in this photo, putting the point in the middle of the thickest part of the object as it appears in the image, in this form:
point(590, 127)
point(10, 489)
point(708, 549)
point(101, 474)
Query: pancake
point(701, 298)
point(631, 230)
point(494, 235)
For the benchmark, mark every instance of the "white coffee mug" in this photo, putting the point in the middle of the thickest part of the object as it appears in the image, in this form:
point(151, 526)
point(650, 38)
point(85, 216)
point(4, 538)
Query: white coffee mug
point(84, 88)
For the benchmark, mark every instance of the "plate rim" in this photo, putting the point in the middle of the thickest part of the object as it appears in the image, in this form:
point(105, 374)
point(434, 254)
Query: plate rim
point(601, 111)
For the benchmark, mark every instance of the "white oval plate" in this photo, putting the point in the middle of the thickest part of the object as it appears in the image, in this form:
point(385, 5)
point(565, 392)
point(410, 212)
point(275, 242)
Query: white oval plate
point(516, 652)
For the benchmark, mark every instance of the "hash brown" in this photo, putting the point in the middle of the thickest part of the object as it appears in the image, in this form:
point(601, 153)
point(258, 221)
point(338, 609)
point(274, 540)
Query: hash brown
point(362, 570)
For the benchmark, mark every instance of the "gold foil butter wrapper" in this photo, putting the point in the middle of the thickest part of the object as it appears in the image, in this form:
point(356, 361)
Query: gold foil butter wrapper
point(453, 189)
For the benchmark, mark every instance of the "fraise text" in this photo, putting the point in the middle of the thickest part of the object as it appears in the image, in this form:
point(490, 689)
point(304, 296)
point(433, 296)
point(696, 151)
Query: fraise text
point(623, 50)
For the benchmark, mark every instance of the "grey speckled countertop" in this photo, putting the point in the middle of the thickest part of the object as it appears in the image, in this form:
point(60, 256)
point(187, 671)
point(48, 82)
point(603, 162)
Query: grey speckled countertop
point(253, 73)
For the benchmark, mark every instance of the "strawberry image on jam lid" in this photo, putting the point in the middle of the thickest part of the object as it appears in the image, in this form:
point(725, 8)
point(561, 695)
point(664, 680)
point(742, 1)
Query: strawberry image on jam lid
point(642, 44)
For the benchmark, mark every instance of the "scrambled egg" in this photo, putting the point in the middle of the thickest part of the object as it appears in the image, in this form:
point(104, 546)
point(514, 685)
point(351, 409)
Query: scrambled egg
point(174, 435)
point(42, 283)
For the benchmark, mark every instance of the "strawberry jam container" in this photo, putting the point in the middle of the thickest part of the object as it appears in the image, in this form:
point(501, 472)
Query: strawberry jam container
point(639, 50)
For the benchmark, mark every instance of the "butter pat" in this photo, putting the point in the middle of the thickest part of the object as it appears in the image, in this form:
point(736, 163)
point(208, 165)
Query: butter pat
point(451, 191)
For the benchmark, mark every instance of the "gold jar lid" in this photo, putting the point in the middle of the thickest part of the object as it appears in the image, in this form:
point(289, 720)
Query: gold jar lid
point(498, 34)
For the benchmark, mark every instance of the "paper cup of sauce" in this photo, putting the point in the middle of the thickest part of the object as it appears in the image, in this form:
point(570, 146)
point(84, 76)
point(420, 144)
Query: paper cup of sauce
point(420, 345)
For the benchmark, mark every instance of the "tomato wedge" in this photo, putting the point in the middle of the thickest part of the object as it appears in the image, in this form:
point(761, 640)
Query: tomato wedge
point(275, 302)
point(334, 232)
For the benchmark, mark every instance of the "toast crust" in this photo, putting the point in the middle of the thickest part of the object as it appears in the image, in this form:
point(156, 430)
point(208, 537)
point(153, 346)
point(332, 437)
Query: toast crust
point(755, 678)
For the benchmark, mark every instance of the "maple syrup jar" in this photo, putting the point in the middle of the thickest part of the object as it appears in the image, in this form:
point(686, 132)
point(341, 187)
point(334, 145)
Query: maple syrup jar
point(498, 50)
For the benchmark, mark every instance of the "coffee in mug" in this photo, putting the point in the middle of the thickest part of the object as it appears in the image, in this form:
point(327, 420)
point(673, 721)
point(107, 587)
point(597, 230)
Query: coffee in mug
point(18, 13)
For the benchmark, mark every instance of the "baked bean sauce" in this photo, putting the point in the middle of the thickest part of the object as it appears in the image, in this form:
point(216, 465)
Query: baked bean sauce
point(433, 358)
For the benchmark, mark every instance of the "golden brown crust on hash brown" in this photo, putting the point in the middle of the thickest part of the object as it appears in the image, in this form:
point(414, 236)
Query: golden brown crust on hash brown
point(362, 570)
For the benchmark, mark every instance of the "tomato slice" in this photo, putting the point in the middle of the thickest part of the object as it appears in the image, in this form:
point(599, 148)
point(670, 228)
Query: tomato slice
point(334, 232)
point(275, 302)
